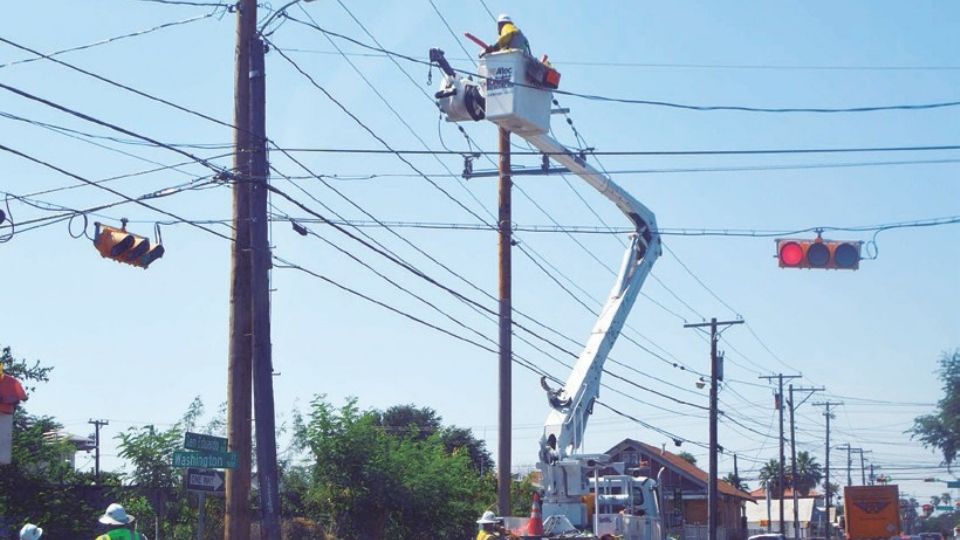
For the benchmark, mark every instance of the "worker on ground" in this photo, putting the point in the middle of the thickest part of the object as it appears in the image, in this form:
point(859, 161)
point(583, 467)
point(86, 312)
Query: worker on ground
point(510, 37)
point(120, 523)
point(30, 532)
point(491, 527)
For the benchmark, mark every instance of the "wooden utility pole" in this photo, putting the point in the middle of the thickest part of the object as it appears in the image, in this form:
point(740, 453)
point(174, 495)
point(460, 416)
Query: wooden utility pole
point(780, 400)
point(793, 454)
point(827, 496)
point(863, 467)
point(97, 424)
point(716, 375)
point(267, 474)
point(506, 331)
point(239, 376)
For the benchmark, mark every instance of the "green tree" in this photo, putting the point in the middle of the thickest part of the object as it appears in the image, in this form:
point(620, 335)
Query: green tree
point(688, 457)
point(41, 485)
point(809, 474)
point(421, 422)
point(156, 491)
point(941, 429)
point(736, 482)
point(770, 477)
point(366, 481)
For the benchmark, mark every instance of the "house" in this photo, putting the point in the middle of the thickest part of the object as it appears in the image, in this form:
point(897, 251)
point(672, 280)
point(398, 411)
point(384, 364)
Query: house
point(683, 491)
point(763, 517)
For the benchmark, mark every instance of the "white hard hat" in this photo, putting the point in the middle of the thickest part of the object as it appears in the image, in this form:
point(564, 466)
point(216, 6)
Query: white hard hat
point(116, 515)
point(30, 532)
point(488, 517)
point(504, 18)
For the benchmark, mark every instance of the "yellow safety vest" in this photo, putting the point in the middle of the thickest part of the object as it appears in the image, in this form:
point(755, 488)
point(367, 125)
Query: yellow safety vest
point(512, 38)
point(122, 534)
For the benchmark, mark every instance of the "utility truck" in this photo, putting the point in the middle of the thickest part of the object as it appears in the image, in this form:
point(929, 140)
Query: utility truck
point(513, 90)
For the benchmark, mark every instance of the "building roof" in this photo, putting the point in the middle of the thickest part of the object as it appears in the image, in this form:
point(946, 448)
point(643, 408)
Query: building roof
point(675, 462)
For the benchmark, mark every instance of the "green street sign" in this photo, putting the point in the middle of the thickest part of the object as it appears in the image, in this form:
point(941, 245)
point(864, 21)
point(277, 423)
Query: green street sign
point(205, 443)
point(945, 508)
point(953, 484)
point(205, 460)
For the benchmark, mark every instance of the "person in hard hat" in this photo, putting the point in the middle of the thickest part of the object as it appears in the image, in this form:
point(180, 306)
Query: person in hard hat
point(120, 524)
point(510, 37)
point(30, 532)
point(490, 526)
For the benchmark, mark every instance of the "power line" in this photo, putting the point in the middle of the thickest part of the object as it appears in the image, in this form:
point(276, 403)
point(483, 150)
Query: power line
point(115, 38)
point(674, 65)
point(666, 231)
point(668, 104)
point(369, 130)
point(721, 152)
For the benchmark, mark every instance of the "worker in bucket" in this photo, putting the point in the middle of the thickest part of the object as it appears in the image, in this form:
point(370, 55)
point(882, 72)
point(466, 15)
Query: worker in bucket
point(30, 532)
point(491, 527)
point(120, 524)
point(510, 37)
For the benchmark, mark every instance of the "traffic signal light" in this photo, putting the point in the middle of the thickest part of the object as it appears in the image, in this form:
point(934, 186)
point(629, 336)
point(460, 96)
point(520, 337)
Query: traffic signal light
point(818, 253)
point(125, 247)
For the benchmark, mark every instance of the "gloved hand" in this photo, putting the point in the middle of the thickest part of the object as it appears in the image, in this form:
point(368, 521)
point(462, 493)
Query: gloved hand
point(488, 50)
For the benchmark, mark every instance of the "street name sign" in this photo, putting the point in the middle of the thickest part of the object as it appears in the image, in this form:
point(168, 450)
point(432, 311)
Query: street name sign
point(205, 460)
point(204, 443)
point(207, 481)
point(953, 484)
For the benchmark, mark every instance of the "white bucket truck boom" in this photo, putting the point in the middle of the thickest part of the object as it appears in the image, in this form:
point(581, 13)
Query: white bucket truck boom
point(510, 93)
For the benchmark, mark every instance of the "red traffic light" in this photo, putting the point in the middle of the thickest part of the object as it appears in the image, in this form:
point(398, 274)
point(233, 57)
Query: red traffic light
point(818, 253)
point(791, 254)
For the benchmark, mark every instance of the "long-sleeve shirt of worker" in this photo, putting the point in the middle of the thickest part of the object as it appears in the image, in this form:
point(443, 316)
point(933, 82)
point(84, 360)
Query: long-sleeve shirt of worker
point(512, 38)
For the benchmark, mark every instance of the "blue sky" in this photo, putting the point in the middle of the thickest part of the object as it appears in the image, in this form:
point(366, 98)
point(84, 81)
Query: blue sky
point(136, 346)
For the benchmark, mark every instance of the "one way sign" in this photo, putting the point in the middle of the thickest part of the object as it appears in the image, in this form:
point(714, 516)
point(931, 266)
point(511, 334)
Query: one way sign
point(205, 480)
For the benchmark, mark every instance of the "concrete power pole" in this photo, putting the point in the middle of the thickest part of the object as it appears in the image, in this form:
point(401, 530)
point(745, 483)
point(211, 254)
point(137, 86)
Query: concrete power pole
point(793, 453)
point(97, 424)
point(827, 415)
point(779, 377)
point(716, 375)
point(239, 370)
point(504, 226)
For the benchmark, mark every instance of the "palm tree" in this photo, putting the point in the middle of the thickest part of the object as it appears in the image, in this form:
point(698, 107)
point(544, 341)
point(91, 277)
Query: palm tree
point(736, 482)
point(770, 477)
point(809, 473)
point(946, 498)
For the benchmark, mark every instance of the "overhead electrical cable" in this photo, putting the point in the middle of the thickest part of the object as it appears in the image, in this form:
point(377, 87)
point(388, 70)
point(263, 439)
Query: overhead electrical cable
point(630, 101)
point(114, 39)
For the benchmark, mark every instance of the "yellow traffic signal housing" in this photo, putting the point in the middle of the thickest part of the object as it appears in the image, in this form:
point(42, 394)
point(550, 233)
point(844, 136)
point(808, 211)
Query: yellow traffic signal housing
point(818, 253)
point(125, 247)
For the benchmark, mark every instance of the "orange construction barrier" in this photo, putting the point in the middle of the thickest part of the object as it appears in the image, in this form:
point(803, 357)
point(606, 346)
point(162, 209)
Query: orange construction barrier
point(535, 525)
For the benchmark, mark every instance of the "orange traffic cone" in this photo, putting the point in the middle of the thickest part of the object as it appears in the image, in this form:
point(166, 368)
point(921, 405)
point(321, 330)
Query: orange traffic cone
point(535, 526)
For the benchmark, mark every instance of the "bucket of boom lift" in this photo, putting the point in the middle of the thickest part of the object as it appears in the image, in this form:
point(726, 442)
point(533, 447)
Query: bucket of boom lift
point(516, 97)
